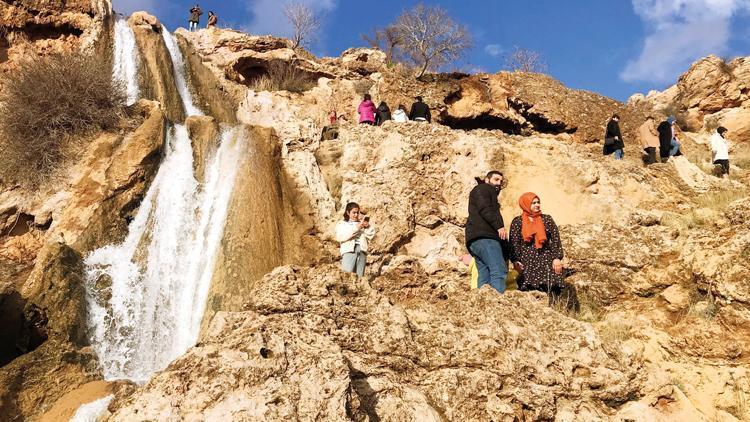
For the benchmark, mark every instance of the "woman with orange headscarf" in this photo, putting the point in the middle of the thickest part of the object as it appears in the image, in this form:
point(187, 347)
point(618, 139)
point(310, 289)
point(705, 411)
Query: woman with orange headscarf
point(536, 250)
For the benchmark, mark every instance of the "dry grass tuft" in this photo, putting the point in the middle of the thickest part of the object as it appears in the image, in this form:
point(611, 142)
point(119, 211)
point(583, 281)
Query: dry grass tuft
point(47, 107)
point(614, 332)
point(283, 76)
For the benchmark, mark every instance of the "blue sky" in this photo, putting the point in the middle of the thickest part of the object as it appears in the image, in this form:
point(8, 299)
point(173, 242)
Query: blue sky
point(614, 47)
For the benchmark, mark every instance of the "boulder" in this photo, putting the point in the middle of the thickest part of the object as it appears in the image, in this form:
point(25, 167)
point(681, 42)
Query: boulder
point(315, 343)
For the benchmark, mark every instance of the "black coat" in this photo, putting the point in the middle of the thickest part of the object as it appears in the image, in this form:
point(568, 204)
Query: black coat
point(382, 114)
point(665, 138)
point(484, 214)
point(613, 129)
point(420, 109)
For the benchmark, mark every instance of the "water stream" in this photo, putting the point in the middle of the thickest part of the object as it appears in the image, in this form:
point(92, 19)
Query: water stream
point(125, 63)
point(146, 296)
point(178, 64)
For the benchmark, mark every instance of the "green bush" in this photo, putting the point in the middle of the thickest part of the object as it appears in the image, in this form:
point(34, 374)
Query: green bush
point(48, 106)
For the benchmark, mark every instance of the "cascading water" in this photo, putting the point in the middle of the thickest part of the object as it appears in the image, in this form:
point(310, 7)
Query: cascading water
point(125, 68)
point(146, 296)
point(178, 64)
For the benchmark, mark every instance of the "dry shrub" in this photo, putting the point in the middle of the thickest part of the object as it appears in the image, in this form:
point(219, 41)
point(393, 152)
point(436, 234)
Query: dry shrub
point(283, 76)
point(47, 107)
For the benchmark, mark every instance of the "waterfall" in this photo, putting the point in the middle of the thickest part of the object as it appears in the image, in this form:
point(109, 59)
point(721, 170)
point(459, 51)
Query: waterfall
point(125, 66)
point(147, 295)
point(178, 64)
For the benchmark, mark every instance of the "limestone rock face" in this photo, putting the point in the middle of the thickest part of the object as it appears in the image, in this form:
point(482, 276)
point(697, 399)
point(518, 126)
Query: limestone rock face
point(157, 72)
point(364, 61)
point(316, 344)
point(43, 269)
point(51, 26)
point(711, 93)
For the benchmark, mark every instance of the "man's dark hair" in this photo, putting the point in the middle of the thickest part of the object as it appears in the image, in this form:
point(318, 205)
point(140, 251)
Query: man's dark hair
point(616, 116)
point(418, 98)
point(722, 130)
point(492, 173)
point(349, 207)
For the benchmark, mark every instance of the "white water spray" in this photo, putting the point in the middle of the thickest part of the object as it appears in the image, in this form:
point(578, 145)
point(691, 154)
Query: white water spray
point(92, 412)
point(125, 68)
point(159, 277)
point(178, 64)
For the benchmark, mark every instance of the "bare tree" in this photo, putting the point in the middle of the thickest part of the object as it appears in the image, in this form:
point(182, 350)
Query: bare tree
point(304, 21)
point(430, 38)
point(387, 39)
point(522, 60)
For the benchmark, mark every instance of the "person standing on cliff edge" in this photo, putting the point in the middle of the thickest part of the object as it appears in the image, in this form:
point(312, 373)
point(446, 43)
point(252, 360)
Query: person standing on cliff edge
point(484, 231)
point(195, 17)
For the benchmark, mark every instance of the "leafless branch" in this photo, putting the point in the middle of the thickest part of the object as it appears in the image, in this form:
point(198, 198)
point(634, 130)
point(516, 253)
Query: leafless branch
point(430, 38)
point(522, 60)
point(305, 22)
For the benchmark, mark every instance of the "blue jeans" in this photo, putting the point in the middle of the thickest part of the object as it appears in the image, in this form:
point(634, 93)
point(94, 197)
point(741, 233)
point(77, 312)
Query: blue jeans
point(490, 262)
point(619, 153)
point(675, 148)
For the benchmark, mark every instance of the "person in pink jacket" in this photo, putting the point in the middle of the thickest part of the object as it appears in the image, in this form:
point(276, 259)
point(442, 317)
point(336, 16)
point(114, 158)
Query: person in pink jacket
point(367, 110)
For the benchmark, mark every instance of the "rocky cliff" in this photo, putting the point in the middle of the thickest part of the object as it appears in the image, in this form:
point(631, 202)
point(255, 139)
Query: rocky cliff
point(656, 253)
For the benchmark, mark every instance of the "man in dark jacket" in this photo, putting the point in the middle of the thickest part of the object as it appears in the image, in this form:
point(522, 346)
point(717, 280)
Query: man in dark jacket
point(485, 229)
point(420, 111)
point(195, 17)
point(665, 139)
point(613, 138)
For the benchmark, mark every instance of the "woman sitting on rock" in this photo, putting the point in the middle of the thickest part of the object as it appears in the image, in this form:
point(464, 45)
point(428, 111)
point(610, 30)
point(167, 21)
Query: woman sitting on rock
point(383, 113)
point(536, 253)
point(353, 233)
point(366, 111)
point(400, 115)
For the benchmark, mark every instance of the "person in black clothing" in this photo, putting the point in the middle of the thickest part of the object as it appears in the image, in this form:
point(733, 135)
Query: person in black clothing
point(665, 139)
point(613, 138)
point(420, 111)
point(484, 231)
point(382, 113)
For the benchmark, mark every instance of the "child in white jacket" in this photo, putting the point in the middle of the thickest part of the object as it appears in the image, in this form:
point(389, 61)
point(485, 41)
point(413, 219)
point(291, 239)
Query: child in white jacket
point(720, 150)
point(353, 235)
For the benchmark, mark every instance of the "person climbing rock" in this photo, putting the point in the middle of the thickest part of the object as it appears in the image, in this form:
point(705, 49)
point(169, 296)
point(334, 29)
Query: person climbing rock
point(382, 114)
point(613, 143)
point(353, 233)
point(366, 111)
point(212, 19)
point(332, 117)
point(484, 231)
point(420, 112)
point(669, 145)
point(720, 151)
point(537, 253)
point(649, 138)
point(195, 17)
point(400, 116)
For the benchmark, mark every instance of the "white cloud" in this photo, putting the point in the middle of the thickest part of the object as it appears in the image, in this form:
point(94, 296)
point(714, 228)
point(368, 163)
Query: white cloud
point(268, 15)
point(126, 7)
point(494, 50)
point(680, 32)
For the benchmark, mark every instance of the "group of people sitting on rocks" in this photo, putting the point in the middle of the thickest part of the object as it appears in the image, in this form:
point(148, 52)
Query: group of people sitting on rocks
point(371, 115)
point(664, 138)
point(195, 16)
